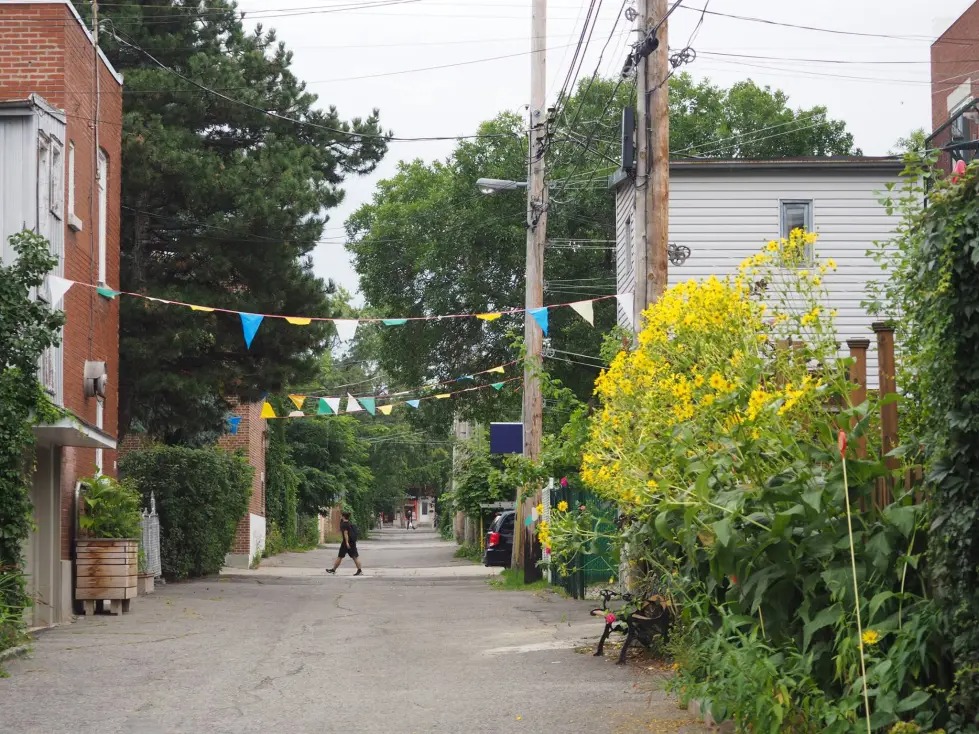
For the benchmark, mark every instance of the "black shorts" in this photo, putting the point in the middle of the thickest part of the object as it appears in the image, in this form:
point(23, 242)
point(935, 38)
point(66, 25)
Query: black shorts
point(345, 551)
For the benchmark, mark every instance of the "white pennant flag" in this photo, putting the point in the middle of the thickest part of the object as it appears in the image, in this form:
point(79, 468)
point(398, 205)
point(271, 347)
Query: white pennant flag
point(334, 404)
point(346, 329)
point(585, 309)
point(352, 405)
point(627, 302)
point(58, 286)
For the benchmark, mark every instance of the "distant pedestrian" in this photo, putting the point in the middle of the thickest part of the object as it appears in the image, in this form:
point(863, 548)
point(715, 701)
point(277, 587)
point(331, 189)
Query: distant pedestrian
point(408, 518)
point(348, 546)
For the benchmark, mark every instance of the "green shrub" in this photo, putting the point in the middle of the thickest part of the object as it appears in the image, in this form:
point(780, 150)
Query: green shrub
point(201, 494)
point(274, 542)
point(308, 535)
point(109, 509)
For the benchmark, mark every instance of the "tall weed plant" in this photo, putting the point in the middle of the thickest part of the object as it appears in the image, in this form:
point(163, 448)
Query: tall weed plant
point(717, 439)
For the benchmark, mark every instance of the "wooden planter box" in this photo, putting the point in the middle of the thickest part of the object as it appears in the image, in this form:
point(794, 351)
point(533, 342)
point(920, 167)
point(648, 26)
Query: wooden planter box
point(106, 568)
point(145, 584)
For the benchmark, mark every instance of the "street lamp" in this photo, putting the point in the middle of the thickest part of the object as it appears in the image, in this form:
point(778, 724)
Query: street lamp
point(490, 186)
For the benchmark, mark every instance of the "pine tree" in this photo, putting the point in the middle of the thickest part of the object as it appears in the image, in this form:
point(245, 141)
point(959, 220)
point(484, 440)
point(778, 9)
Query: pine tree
point(223, 202)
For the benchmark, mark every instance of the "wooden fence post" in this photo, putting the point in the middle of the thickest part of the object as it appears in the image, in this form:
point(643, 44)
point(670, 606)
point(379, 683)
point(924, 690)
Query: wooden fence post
point(858, 376)
point(888, 413)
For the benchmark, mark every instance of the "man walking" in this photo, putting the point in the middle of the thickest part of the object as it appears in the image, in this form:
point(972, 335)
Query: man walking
point(348, 546)
point(408, 517)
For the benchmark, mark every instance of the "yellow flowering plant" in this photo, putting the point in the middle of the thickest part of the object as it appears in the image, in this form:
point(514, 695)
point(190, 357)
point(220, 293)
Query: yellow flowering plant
point(716, 439)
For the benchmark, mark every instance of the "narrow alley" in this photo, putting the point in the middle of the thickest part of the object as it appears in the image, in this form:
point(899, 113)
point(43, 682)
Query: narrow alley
point(421, 643)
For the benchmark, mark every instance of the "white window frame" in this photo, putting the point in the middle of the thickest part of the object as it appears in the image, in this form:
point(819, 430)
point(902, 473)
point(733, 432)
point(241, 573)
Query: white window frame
point(100, 424)
point(56, 179)
point(630, 244)
point(73, 221)
point(783, 233)
point(102, 186)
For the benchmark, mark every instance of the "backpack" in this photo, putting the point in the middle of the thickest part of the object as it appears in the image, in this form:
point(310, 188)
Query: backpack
point(352, 533)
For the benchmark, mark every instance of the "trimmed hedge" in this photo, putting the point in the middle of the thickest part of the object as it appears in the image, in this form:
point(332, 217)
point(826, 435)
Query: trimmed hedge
point(201, 494)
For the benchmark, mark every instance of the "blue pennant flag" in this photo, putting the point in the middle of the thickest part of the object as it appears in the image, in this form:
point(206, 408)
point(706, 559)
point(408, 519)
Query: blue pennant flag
point(249, 326)
point(412, 403)
point(233, 422)
point(370, 405)
point(540, 316)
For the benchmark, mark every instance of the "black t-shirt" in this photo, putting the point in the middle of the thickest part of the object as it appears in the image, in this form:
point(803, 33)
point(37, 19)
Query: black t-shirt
point(351, 531)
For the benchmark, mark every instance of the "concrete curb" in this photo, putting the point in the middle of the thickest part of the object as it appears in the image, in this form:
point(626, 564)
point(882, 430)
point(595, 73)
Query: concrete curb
point(18, 651)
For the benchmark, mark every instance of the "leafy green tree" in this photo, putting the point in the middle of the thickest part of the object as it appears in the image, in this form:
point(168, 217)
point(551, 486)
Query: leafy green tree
point(429, 243)
point(223, 201)
point(27, 327)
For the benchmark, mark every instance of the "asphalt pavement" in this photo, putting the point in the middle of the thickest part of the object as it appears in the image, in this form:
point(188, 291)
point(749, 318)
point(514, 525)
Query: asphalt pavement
point(420, 643)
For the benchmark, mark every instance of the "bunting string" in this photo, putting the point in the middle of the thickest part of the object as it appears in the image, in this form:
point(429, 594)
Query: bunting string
point(346, 327)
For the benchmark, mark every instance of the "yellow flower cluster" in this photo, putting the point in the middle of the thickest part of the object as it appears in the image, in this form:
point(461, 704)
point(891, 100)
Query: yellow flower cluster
point(544, 533)
point(562, 506)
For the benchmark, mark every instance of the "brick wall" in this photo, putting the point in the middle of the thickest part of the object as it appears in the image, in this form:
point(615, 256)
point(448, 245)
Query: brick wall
point(45, 50)
point(953, 62)
point(250, 440)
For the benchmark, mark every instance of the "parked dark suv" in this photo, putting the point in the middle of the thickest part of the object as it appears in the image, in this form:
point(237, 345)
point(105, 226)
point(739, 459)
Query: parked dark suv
point(499, 540)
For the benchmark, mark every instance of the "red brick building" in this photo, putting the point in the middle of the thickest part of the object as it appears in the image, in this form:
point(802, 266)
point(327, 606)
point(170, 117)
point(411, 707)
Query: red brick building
point(249, 434)
point(954, 86)
point(61, 120)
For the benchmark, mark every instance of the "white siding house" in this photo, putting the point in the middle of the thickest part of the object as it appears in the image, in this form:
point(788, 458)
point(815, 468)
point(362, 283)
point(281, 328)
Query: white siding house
point(726, 210)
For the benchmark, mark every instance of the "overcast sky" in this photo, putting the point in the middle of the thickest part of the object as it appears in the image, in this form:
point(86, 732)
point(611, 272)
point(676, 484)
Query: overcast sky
point(386, 46)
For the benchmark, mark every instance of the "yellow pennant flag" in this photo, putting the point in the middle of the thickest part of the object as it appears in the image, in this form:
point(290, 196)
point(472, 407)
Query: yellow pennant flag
point(298, 400)
point(201, 308)
point(385, 409)
point(497, 369)
point(267, 411)
point(299, 320)
point(443, 396)
point(488, 316)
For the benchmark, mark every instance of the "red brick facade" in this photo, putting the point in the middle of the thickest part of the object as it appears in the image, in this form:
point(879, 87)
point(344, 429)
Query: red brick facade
point(955, 82)
point(250, 440)
point(45, 50)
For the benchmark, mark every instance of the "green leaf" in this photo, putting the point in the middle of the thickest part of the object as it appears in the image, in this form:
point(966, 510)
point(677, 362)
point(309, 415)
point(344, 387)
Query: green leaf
point(913, 701)
point(824, 618)
point(663, 525)
point(902, 517)
point(722, 531)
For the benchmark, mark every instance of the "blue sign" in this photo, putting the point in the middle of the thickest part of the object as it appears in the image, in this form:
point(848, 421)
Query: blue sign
point(506, 438)
point(233, 422)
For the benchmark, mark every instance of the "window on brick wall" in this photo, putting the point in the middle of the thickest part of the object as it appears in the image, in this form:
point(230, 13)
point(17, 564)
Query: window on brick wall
point(73, 221)
point(56, 181)
point(103, 185)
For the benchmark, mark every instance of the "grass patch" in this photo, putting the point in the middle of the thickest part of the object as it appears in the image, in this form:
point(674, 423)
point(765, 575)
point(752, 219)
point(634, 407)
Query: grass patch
point(469, 551)
point(512, 580)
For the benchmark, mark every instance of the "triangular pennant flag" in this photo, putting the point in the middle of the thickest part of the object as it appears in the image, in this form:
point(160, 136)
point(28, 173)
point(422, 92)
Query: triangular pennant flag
point(627, 303)
point(106, 292)
point(394, 322)
point(249, 326)
point(413, 403)
point(466, 377)
point(385, 409)
point(298, 400)
point(500, 369)
point(299, 320)
point(233, 422)
point(267, 410)
point(323, 407)
point(58, 287)
point(352, 405)
point(488, 316)
point(585, 309)
point(540, 316)
point(346, 329)
point(297, 414)
point(497, 385)
point(368, 405)
point(206, 309)
point(443, 396)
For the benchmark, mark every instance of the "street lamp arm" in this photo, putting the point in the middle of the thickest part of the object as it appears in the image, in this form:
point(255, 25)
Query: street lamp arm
point(492, 185)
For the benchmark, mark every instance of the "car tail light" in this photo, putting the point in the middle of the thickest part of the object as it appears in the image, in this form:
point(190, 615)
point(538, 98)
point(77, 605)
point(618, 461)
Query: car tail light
point(494, 538)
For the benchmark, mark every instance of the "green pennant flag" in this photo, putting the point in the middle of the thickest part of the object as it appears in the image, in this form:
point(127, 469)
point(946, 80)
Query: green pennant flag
point(394, 322)
point(497, 385)
point(106, 292)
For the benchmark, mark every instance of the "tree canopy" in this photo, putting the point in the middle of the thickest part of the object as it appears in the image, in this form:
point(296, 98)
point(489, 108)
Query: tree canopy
point(429, 243)
point(224, 194)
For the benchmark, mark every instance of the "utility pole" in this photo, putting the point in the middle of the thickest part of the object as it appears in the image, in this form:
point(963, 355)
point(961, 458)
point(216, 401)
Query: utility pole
point(653, 163)
point(533, 404)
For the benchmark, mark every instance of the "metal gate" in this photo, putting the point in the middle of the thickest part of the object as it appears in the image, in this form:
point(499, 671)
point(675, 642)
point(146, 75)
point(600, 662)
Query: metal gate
point(599, 562)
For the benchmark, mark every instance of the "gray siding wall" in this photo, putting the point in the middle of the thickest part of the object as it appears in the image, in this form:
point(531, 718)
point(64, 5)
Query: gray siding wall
point(723, 217)
point(625, 246)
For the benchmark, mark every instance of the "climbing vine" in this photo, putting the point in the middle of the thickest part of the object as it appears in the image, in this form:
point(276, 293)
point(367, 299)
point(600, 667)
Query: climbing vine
point(28, 326)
